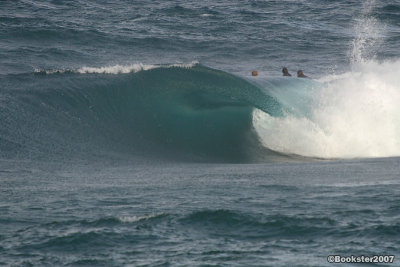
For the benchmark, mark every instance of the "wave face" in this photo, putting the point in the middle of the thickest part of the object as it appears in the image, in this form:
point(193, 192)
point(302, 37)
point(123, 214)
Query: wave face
point(189, 110)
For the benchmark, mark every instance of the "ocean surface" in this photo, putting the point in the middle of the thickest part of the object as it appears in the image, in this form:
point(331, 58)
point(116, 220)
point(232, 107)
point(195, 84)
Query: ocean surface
point(133, 134)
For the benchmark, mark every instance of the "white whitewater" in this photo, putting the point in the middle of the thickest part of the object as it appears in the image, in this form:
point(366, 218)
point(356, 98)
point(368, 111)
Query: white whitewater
point(355, 114)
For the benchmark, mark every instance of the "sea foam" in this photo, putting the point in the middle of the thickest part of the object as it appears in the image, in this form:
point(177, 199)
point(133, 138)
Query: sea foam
point(353, 114)
point(356, 114)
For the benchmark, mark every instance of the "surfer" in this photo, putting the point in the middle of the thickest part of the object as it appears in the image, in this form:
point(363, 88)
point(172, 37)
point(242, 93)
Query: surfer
point(254, 73)
point(300, 74)
point(285, 72)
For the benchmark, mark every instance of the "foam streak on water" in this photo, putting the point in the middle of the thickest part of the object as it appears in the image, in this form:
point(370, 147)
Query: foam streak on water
point(132, 219)
point(118, 69)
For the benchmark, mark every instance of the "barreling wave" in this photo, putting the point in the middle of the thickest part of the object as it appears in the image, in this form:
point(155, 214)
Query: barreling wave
point(191, 112)
point(186, 110)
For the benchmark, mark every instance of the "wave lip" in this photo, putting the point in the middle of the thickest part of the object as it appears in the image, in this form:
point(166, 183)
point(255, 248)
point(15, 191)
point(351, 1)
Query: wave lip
point(117, 69)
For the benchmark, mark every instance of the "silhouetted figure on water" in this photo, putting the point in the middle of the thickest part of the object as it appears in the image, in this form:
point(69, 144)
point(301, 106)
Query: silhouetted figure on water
point(285, 72)
point(300, 74)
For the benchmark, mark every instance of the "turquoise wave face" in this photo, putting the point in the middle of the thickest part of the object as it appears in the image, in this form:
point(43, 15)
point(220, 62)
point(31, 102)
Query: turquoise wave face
point(195, 112)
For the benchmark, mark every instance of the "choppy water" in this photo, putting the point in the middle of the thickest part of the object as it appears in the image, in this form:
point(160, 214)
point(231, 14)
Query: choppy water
point(198, 215)
point(131, 133)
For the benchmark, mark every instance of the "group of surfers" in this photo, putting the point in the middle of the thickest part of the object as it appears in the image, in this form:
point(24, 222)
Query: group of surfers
point(285, 72)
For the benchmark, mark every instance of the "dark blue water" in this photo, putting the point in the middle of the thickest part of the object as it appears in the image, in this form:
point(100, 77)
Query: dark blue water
point(132, 133)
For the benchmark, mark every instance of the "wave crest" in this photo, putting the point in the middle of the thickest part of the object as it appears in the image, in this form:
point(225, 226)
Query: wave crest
point(117, 69)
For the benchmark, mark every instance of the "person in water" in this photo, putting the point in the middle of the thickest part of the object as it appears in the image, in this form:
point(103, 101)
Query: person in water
point(285, 72)
point(254, 73)
point(300, 74)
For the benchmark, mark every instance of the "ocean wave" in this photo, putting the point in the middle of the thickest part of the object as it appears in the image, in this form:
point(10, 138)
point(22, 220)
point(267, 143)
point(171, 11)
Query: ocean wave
point(241, 225)
point(206, 114)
